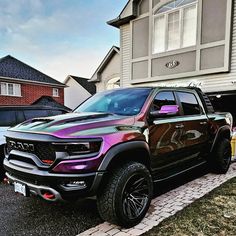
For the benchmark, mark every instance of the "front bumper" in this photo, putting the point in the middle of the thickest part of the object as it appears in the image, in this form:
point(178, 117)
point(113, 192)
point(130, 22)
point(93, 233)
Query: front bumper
point(60, 186)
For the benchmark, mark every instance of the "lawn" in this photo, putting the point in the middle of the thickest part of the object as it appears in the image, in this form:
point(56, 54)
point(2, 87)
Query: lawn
point(214, 214)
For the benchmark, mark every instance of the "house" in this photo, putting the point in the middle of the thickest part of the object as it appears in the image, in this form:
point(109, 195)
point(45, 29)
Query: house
point(107, 75)
point(78, 90)
point(180, 43)
point(20, 84)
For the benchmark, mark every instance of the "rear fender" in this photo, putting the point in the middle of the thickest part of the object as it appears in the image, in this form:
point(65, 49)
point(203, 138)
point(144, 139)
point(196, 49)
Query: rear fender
point(223, 132)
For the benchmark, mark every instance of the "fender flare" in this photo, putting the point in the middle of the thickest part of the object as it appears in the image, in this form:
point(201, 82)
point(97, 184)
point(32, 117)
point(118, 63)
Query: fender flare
point(223, 131)
point(123, 147)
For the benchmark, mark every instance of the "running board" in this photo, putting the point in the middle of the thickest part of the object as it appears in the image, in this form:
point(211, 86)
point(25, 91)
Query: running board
point(181, 172)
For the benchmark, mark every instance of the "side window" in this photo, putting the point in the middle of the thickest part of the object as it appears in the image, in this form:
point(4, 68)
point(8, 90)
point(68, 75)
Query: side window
point(189, 103)
point(161, 99)
point(7, 118)
point(29, 114)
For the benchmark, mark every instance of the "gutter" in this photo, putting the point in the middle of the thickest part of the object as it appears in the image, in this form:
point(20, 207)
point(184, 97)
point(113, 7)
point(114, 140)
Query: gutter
point(117, 22)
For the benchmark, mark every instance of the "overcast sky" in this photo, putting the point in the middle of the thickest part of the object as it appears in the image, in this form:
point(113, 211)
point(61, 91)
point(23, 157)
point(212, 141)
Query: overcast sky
point(59, 37)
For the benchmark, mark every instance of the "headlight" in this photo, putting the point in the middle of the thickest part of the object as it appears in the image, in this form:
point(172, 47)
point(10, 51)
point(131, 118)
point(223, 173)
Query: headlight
point(78, 148)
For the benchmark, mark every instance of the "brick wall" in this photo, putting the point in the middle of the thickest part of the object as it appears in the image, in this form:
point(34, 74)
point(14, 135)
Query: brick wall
point(30, 93)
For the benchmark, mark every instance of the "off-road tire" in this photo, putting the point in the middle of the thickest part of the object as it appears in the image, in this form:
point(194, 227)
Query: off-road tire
point(221, 157)
point(114, 196)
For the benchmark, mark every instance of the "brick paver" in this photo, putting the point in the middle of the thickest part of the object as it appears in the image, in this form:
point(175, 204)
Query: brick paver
point(166, 205)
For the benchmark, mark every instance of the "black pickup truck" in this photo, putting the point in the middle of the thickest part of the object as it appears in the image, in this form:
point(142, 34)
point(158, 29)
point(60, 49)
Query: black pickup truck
point(116, 145)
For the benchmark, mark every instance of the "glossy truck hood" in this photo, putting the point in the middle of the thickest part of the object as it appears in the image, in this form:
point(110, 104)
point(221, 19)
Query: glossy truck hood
point(74, 124)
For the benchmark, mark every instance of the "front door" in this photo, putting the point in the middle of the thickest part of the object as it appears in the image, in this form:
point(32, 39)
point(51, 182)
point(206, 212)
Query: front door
point(166, 137)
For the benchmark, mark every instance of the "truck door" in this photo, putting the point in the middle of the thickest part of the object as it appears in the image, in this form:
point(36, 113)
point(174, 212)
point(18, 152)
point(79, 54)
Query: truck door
point(195, 123)
point(166, 135)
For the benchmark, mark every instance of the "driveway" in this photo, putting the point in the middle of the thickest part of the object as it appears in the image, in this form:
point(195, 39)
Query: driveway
point(33, 216)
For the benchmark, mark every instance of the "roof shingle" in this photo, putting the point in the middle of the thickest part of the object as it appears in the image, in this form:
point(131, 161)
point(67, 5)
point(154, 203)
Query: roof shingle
point(11, 67)
point(89, 86)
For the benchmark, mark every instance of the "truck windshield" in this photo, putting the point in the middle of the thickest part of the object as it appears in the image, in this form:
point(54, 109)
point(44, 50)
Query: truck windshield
point(127, 102)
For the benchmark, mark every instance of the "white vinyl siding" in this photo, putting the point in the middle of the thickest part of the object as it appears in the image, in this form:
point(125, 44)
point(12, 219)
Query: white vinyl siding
point(125, 55)
point(10, 89)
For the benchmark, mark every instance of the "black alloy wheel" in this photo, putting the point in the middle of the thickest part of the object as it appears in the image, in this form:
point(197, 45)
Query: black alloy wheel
point(221, 158)
point(135, 196)
point(126, 196)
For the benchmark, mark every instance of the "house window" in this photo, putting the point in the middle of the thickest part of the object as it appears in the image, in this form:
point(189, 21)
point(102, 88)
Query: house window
point(55, 92)
point(175, 26)
point(9, 89)
point(113, 83)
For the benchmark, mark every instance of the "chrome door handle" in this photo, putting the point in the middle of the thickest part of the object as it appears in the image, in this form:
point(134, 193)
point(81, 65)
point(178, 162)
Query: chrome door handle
point(203, 123)
point(179, 126)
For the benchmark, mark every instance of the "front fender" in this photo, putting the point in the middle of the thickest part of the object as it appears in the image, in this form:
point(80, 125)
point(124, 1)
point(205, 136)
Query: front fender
point(132, 146)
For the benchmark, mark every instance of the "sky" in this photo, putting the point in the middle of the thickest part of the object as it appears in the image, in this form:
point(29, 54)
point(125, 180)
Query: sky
point(59, 37)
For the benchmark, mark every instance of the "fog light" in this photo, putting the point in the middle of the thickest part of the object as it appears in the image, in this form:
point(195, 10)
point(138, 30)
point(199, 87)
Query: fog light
point(75, 184)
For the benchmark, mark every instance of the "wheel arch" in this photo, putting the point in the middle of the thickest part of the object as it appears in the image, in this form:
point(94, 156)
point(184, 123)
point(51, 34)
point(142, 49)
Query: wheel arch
point(129, 151)
point(223, 132)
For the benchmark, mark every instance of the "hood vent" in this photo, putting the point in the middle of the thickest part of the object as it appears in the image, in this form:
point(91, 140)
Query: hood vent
point(46, 120)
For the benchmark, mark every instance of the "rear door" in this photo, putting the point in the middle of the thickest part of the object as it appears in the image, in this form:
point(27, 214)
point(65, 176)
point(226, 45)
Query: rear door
point(195, 125)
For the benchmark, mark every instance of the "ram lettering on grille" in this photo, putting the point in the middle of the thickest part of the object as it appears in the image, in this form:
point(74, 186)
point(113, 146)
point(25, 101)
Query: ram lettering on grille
point(21, 146)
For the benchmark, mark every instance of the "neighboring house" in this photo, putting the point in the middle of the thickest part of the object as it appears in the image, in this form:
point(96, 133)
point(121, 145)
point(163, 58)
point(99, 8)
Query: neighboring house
point(20, 84)
point(107, 75)
point(78, 90)
point(180, 43)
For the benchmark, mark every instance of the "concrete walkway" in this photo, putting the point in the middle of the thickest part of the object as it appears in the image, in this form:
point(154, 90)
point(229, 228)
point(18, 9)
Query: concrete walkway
point(166, 205)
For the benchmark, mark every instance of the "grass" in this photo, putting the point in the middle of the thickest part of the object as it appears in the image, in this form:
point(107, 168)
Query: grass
point(214, 214)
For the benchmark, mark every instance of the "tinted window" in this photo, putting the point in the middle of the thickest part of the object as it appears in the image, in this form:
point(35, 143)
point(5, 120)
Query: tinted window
point(29, 114)
point(161, 99)
point(126, 102)
point(189, 103)
point(7, 118)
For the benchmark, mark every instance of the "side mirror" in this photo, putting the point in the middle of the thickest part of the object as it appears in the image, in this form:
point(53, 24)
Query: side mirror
point(167, 110)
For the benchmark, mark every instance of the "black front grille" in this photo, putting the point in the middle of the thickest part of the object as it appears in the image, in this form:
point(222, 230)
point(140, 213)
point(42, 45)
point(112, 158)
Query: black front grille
point(44, 151)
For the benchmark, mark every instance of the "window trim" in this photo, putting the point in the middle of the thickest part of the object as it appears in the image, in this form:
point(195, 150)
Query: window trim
point(55, 94)
point(7, 90)
point(181, 28)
